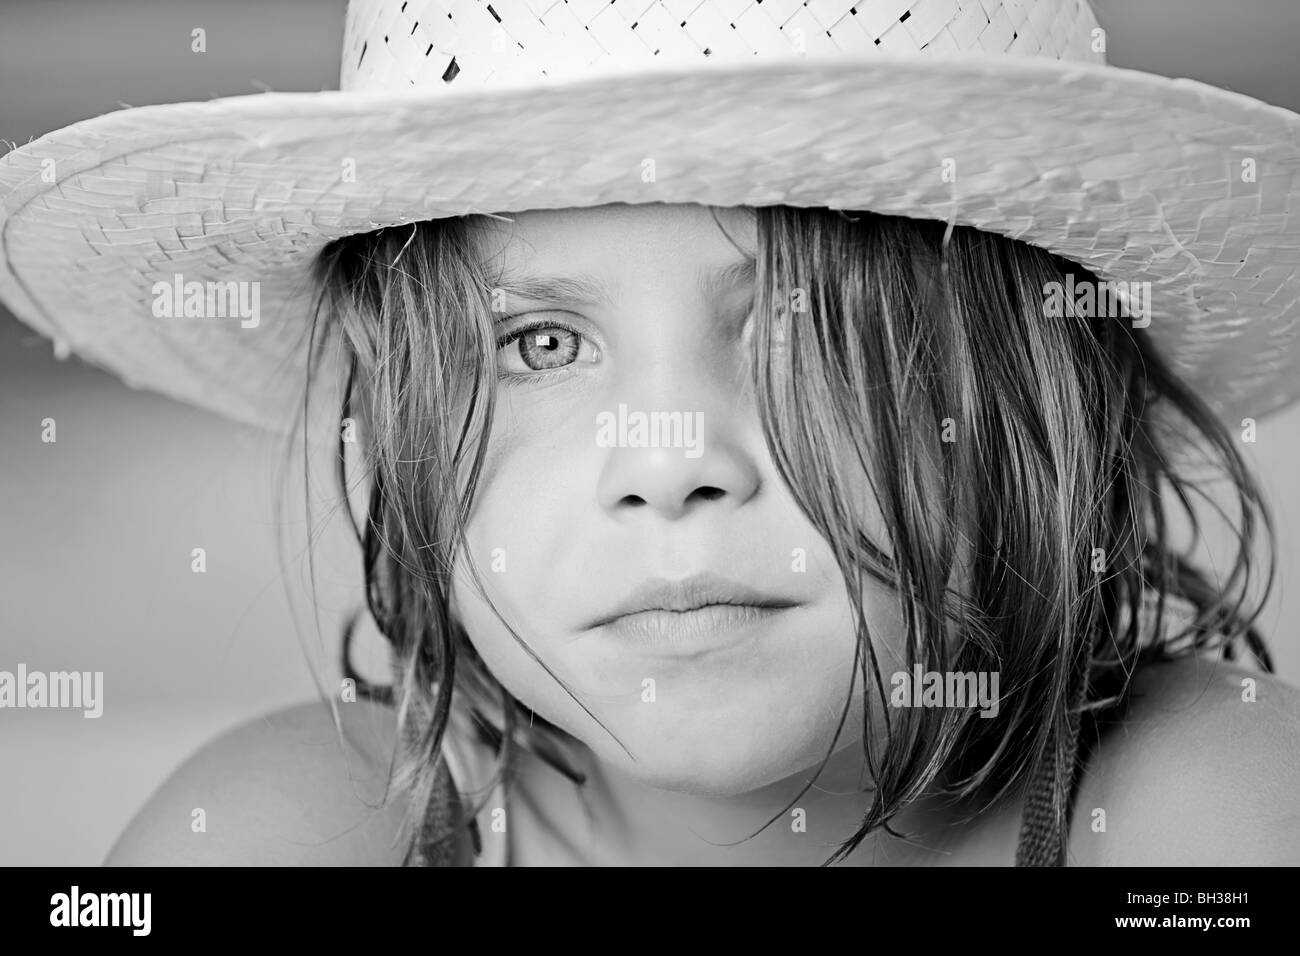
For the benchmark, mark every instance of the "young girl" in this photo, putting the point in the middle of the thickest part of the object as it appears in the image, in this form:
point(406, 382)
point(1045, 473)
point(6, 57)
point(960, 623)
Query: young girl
point(695, 658)
point(763, 463)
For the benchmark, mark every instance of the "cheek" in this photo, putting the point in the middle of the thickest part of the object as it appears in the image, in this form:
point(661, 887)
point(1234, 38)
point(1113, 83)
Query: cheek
point(523, 538)
point(521, 533)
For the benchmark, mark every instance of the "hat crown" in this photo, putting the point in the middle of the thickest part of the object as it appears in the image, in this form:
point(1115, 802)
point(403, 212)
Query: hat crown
point(434, 45)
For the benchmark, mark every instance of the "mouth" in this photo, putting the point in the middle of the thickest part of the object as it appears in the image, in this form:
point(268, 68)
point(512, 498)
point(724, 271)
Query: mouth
point(700, 611)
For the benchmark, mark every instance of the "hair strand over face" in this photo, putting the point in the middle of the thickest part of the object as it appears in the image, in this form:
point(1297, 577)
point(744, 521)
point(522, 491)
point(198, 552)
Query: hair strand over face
point(1066, 435)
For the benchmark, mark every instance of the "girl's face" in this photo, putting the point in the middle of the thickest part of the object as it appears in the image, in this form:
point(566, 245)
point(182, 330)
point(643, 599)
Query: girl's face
point(629, 521)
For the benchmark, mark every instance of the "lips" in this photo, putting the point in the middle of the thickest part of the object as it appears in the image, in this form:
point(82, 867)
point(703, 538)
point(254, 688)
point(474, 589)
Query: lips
point(698, 592)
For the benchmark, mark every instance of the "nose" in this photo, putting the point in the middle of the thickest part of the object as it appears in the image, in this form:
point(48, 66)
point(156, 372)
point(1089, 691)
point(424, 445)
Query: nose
point(708, 467)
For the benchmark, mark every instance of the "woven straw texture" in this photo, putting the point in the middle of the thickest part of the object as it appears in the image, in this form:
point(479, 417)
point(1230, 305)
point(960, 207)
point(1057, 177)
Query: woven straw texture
point(471, 43)
point(1137, 177)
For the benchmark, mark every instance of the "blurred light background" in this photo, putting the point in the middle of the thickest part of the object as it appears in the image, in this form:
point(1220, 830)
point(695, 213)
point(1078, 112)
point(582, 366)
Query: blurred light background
point(96, 530)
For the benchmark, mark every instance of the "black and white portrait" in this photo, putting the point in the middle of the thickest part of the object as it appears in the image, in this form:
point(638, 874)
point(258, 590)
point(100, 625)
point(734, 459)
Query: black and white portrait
point(675, 433)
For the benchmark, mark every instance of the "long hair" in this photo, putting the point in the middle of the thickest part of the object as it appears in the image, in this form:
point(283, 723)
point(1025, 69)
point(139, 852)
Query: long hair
point(1027, 467)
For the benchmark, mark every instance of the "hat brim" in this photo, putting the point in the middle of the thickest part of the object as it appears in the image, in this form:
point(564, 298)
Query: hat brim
point(1138, 177)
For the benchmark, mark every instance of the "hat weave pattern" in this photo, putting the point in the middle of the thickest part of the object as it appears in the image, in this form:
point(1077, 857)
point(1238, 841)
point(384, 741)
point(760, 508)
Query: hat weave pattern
point(1138, 177)
point(472, 43)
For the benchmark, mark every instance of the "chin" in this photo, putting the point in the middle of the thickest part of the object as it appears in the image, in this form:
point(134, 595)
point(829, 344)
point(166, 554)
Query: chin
point(724, 760)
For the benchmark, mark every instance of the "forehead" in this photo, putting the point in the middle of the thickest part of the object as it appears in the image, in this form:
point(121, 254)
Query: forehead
point(615, 237)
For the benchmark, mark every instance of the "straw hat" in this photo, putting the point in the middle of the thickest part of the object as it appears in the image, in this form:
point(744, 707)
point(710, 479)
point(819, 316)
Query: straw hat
point(999, 114)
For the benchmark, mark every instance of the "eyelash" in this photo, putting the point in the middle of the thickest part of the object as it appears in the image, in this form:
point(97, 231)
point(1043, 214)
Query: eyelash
point(526, 378)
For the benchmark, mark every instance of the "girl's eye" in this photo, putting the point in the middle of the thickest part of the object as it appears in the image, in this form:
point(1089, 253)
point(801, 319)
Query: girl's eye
point(543, 347)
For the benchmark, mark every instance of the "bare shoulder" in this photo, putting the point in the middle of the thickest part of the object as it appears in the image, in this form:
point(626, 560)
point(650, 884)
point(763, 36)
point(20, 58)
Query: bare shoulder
point(280, 790)
point(1203, 770)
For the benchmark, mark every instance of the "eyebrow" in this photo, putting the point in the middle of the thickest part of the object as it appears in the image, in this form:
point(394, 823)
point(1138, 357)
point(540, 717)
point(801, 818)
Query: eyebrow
point(586, 289)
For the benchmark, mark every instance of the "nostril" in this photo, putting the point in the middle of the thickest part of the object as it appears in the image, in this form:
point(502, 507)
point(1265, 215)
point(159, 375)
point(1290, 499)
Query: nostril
point(708, 493)
point(634, 500)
